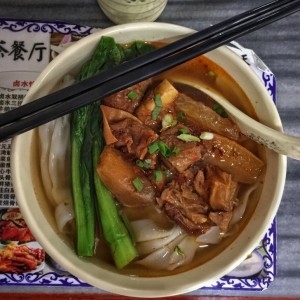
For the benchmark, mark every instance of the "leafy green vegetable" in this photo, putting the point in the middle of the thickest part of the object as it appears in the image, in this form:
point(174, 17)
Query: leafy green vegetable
point(86, 139)
point(136, 49)
point(83, 131)
point(82, 182)
point(114, 230)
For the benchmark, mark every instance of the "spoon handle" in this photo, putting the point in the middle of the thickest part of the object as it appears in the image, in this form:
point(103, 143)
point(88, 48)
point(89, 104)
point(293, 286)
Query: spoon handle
point(264, 135)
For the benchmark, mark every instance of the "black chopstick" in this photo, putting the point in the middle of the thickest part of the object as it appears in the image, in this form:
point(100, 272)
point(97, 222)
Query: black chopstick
point(67, 100)
point(179, 45)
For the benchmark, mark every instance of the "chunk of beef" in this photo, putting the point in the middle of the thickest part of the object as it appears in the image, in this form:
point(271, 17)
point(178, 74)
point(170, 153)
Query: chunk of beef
point(222, 189)
point(188, 152)
point(185, 207)
point(221, 219)
point(188, 155)
point(122, 100)
point(200, 185)
point(135, 136)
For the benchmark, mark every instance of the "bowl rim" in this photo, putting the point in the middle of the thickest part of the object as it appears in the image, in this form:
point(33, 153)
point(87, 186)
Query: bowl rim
point(125, 285)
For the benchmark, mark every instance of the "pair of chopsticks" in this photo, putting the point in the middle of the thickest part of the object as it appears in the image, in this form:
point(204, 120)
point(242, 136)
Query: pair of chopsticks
point(69, 99)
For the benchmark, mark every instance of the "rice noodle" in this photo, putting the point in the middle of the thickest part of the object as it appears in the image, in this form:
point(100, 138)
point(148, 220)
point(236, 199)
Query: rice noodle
point(160, 259)
point(167, 252)
point(59, 160)
point(64, 213)
point(45, 133)
point(150, 246)
point(147, 229)
point(185, 254)
point(212, 236)
point(54, 139)
point(239, 211)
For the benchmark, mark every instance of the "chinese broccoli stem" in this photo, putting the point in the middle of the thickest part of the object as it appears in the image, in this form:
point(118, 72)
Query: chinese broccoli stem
point(82, 164)
point(115, 233)
point(89, 193)
point(82, 177)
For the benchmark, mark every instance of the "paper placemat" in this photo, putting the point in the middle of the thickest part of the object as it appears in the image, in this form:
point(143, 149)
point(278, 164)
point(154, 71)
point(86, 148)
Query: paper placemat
point(26, 47)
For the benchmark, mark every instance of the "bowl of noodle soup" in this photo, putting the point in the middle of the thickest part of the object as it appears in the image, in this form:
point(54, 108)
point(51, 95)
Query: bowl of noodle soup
point(193, 238)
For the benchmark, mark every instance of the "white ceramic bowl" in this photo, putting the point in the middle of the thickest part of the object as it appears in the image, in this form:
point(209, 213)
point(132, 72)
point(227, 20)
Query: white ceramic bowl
point(37, 216)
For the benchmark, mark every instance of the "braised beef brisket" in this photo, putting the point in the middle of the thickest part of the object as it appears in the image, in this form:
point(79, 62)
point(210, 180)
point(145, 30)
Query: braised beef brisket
point(195, 205)
point(199, 193)
point(136, 137)
point(124, 101)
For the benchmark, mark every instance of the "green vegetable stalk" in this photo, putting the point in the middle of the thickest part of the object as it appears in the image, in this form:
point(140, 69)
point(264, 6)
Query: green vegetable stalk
point(82, 136)
point(114, 230)
point(86, 139)
point(82, 179)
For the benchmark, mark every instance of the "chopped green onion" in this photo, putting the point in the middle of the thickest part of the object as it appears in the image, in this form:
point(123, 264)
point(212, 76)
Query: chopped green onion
point(183, 130)
point(175, 150)
point(163, 148)
point(168, 121)
point(220, 110)
point(155, 113)
point(166, 151)
point(147, 163)
point(178, 250)
point(206, 136)
point(132, 95)
point(144, 164)
point(157, 100)
point(181, 116)
point(140, 163)
point(137, 183)
point(188, 137)
point(158, 106)
point(158, 175)
point(153, 147)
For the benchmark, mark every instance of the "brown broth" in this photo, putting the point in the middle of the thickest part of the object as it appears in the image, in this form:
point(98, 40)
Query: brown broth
point(199, 69)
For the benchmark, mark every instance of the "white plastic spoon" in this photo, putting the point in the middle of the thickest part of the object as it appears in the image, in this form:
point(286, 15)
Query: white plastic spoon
point(262, 134)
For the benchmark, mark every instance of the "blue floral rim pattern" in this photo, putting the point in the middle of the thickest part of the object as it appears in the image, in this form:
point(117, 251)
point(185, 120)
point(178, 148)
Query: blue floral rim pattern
point(39, 26)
